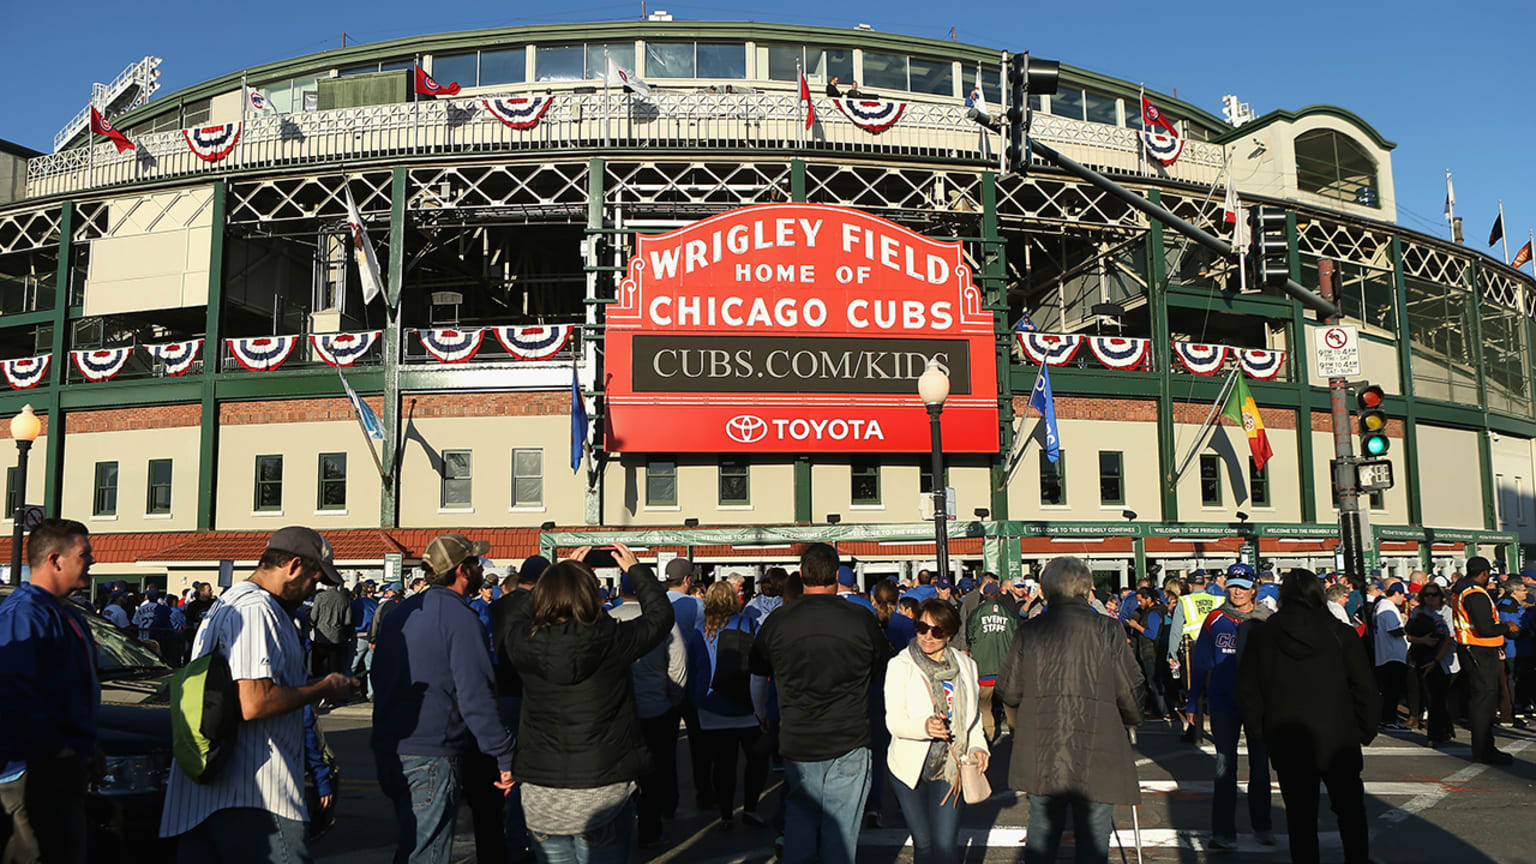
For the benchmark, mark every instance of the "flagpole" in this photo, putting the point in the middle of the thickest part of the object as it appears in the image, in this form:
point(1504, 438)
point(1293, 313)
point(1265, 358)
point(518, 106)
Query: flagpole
point(1533, 252)
point(1450, 205)
point(800, 109)
point(363, 427)
point(1503, 234)
point(1205, 428)
point(1141, 146)
point(1022, 446)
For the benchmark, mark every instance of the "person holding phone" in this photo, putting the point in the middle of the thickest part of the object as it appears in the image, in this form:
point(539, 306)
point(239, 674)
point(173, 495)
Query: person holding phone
point(931, 700)
point(580, 750)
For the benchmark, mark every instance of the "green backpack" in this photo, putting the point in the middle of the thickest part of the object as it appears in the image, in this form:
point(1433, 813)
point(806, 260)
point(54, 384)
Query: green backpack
point(205, 715)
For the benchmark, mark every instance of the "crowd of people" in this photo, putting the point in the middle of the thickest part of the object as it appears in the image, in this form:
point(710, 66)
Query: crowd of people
point(550, 707)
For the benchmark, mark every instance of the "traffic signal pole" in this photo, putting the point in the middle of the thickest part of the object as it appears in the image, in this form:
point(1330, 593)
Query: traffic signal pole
point(1344, 477)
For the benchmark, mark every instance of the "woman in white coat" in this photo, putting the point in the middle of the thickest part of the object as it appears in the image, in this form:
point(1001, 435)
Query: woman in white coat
point(931, 710)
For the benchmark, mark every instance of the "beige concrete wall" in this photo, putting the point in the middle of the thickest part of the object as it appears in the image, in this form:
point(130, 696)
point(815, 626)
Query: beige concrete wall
point(36, 482)
point(1450, 481)
point(771, 488)
point(132, 449)
point(1264, 163)
point(1230, 445)
point(1513, 478)
point(155, 255)
point(1378, 362)
point(1082, 440)
point(491, 443)
point(300, 445)
point(1394, 509)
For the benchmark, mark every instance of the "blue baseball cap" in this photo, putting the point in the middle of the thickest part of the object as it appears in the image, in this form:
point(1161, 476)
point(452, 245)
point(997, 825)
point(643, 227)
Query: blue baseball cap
point(1240, 569)
point(967, 583)
point(943, 584)
point(1397, 588)
point(846, 577)
point(990, 589)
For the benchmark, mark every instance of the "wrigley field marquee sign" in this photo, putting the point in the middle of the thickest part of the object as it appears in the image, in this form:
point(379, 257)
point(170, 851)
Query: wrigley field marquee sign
point(796, 328)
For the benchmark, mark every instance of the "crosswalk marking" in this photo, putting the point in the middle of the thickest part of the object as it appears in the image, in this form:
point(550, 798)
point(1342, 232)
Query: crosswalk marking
point(1005, 837)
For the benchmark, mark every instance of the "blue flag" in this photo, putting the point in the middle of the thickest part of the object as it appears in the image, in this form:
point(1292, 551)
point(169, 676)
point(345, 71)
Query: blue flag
point(364, 413)
point(1041, 400)
point(578, 422)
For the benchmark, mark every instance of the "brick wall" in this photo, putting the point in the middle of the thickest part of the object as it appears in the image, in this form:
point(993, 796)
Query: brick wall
point(543, 403)
point(142, 417)
point(5, 425)
point(1091, 408)
point(292, 411)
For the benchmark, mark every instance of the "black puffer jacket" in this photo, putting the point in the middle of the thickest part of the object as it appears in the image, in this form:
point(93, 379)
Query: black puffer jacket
point(1306, 689)
point(1077, 686)
point(579, 728)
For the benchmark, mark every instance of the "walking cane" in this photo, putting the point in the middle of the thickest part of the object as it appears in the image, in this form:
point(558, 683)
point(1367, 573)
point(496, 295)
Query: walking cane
point(1136, 827)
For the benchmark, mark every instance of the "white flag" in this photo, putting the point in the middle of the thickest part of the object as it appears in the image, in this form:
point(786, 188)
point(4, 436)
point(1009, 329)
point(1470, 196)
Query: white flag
point(367, 261)
point(622, 77)
point(978, 97)
point(257, 101)
point(1450, 198)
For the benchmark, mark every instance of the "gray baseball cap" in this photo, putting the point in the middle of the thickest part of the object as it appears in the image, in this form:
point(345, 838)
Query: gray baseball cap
point(307, 543)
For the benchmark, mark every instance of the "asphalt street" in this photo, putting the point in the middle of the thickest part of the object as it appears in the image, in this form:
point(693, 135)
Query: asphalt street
point(1424, 806)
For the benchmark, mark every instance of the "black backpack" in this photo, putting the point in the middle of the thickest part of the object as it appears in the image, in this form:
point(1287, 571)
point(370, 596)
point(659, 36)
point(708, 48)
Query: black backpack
point(733, 653)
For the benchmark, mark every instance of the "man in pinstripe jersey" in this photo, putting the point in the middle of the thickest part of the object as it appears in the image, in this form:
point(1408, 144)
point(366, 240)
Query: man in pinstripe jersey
point(253, 809)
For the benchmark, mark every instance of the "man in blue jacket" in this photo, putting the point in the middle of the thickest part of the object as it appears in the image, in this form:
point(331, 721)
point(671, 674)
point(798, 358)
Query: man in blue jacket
point(363, 607)
point(1214, 665)
point(434, 710)
point(50, 694)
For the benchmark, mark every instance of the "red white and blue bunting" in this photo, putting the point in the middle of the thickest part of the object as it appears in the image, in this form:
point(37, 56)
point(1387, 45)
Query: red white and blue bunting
point(343, 349)
point(178, 357)
point(101, 364)
point(1165, 149)
point(24, 373)
point(262, 354)
point(212, 143)
point(534, 343)
point(519, 112)
point(451, 346)
point(1259, 363)
point(1051, 349)
point(1199, 358)
point(1118, 353)
point(872, 115)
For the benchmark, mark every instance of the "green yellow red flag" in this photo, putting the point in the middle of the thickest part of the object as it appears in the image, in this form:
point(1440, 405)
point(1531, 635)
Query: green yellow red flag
point(1242, 410)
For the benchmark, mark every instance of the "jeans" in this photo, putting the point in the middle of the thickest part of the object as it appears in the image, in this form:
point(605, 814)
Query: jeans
point(1226, 727)
point(1154, 678)
point(362, 664)
point(514, 827)
point(723, 747)
point(698, 757)
point(1091, 823)
point(658, 786)
point(425, 792)
point(245, 835)
point(613, 843)
point(1346, 795)
point(934, 825)
point(826, 799)
point(44, 812)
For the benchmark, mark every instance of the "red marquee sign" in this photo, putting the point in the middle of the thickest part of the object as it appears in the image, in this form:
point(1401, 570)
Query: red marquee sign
point(796, 328)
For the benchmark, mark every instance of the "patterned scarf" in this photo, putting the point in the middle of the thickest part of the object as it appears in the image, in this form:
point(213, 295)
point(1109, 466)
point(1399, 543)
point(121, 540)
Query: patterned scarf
point(940, 764)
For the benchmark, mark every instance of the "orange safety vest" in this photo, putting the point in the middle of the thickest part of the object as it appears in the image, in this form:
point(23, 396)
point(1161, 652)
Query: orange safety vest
point(1466, 634)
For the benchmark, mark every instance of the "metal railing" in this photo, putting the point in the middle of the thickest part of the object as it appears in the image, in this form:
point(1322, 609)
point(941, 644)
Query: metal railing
point(692, 119)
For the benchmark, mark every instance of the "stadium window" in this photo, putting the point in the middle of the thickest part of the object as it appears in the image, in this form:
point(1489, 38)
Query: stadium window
point(785, 62)
point(332, 487)
point(864, 480)
point(819, 63)
point(1333, 165)
point(527, 478)
point(925, 475)
point(735, 481)
point(1053, 479)
point(104, 503)
point(457, 479)
point(559, 63)
point(884, 71)
point(269, 483)
point(158, 501)
point(1210, 480)
point(1101, 108)
point(621, 53)
point(461, 68)
point(935, 76)
point(508, 66)
point(669, 60)
point(829, 63)
point(722, 60)
point(1067, 102)
point(661, 482)
point(1111, 477)
point(1258, 484)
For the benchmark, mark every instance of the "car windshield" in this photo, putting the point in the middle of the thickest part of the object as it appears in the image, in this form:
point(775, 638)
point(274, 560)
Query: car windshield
point(117, 655)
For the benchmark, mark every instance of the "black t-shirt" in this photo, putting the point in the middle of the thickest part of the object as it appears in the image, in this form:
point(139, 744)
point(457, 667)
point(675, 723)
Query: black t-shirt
point(822, 652)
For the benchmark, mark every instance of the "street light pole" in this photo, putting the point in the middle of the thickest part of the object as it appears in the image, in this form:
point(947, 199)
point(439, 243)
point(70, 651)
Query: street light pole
point(25, 427)
point(933, 388)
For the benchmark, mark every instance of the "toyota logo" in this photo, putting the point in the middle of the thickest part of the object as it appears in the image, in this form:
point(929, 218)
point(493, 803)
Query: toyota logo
point(746, 429)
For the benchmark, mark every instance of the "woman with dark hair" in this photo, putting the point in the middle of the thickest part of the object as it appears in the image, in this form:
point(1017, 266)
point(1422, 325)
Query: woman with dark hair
point(1305, 688)
point(887, 600)
point(722, 688)
point(931, 699)
point(770, 595)
point(579, 748)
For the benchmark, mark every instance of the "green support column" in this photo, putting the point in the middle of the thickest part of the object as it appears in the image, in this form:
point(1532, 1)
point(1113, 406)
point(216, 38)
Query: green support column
point(1484, 449)
point(53, 453)
point(995, 296)
point(1410, 456)
point(1162, 357)
point(213, 345)
point(802, 462)
point(597, 197)
point(1296, 340)
point(389, 502)
point(1139, 547)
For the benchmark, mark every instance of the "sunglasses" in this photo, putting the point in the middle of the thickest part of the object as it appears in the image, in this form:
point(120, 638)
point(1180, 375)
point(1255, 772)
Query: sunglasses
point(925, 629)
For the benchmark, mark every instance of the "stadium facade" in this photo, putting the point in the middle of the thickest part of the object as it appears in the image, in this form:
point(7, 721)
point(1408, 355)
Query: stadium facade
point(508, 220)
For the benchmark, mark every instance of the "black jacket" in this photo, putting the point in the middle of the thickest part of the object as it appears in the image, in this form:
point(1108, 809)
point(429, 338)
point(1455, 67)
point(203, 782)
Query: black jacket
point(505, 610)
point(1077, 687)
point(578, 726)
point(1305, 688)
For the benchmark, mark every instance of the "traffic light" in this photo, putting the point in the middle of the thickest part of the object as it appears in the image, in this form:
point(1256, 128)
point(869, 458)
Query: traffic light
point(1026, 75)
point(1372, 421)
point(1270, 254)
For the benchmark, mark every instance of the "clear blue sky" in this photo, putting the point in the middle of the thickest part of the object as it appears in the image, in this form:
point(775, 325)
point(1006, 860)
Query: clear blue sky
point(1453, 84)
